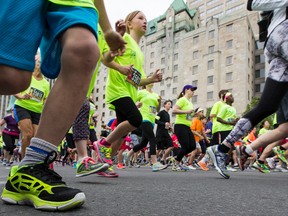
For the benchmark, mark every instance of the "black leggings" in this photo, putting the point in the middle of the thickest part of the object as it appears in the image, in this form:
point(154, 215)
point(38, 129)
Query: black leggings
point(147, 136)
point(186, 140)
point(9, 141)
point(126, 110)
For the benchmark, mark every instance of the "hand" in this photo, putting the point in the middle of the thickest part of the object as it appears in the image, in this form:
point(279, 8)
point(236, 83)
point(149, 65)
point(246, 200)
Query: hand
point(139, 105)
point(157, 76)
point(159, 99)
point(201, 137)
point(120, 27)
point(26, 96)
point(126, 70)
point(189, 111)
point(115, 42)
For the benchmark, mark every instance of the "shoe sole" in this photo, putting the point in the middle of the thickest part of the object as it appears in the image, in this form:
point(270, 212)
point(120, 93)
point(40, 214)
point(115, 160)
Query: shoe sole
point(103, 168)
point(107, 175)
point(27, 199)
point(160, 169)
point(259, 169)
point(213, 158)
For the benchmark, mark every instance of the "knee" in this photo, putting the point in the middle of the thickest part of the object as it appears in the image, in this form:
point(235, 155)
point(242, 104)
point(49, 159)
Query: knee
point(84, 52)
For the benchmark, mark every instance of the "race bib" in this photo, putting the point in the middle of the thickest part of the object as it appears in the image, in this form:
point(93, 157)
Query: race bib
point(36, 94)
point(152, 109)
point(189, 117)
point(134, 78)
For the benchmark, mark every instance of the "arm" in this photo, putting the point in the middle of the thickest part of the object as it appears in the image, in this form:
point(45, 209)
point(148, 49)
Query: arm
point(20, 96)
point(157, 120)
point(224, 122)
point(125, 70)
point(177, 110)
point(156, 77)
point(266, 5)
point(113, 39)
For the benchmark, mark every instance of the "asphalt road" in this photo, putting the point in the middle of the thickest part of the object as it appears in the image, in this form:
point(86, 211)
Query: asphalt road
point(139, 191)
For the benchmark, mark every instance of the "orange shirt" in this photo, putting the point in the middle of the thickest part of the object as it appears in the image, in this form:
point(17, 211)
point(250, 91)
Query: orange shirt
point(197, 126)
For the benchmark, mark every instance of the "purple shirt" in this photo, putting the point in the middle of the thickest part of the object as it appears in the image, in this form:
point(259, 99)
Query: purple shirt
point(11, 126)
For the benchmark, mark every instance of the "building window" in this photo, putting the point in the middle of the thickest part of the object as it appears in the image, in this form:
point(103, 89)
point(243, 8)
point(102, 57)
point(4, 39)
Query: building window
point(174, 91)
point(210, 80)
point(111, 113)
point(175, 56)
point(248, 95)
point(163, 60)
point(211, 34)
point(103, 105)
point(229, 77)
point(176, 45)
point(175, 68)
point(210, 95)
point(229, 44)
point(195, 54)
point(152, 55)
point(211, 49)
point(162, 83)
point(259, 88)
point(152, 65)
point(229, 60)
point(229, 28)
point(195, 69)
point(163, 70)
point(194, 99)
point(260, 73)
point(103, 96)
point(196, 40)
point(210, 64)
point(162, 93)
point(257, 59)
point(96, 99)
point(195, 83)
point(175, 79)
point(163, 49)
point(97, 90)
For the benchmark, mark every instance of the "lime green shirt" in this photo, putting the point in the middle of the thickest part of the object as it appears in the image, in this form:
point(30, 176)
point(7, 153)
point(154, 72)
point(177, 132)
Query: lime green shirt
point(1, 142)
point(185, 119)
point(81, 3)
point(227, 113)
point(118, 85)
point(262, 131)
point(39, 90)
point(214, 111)
point(103, 48)
point(149, 106)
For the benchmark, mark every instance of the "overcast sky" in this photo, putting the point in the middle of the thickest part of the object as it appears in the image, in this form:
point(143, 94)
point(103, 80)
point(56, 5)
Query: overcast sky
point(117, 9)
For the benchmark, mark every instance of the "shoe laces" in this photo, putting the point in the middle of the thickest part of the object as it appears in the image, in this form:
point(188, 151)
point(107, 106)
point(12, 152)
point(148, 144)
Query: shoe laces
point(88, 160)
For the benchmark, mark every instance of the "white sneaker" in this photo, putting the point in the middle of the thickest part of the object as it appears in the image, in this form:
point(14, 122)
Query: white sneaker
point(231, 169)
point(191, 167)
point(281, 169)
point(271, 162)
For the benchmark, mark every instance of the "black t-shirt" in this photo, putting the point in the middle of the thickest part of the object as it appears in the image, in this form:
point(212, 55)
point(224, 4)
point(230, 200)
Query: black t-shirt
point(163, 118)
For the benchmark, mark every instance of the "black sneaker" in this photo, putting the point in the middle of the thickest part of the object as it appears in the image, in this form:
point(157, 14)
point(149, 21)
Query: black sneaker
point(41, 187)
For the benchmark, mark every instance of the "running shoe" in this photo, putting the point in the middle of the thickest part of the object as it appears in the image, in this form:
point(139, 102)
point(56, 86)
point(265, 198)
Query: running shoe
point(231, 169)
point(270, 162)
point(180, 168)
point(109, 173)
point(203, 166)
point(280, 169)
point(261, 167)
point(242, 157)
point(218, 158)
point(89, 166)
point(126, 158)
point(136, 165)
point(120, 166)
point(41, 187)
point(191, 167)
point(103, 152)
point(280, 153)
point(158, 167)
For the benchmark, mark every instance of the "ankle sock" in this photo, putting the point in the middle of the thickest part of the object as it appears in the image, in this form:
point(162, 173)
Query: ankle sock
point(37, 151)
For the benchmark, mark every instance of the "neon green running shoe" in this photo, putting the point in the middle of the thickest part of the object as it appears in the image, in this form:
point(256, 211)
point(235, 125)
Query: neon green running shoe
point(89, 166)
point(280, 153)
point(41, 187)
point(261, 167)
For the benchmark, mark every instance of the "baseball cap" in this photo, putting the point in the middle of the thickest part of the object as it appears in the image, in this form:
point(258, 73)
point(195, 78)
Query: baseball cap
point(193, 88)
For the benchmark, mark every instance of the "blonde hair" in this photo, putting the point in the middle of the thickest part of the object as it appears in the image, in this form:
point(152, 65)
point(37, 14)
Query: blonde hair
point(129, 18)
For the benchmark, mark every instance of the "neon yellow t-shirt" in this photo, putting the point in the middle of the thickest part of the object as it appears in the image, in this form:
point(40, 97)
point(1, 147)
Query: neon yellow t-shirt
point(214, 111)
point(227, 113)
point(149, 106)
point(103, 48)
point(91, 112)
point(118, 85)
point(185, 119)
point(262, 131)
point(1, 142)
point(39, 90)
point(81, 3)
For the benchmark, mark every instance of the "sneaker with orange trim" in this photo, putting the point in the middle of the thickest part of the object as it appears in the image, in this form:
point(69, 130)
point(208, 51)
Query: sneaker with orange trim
point(203, 166)
point(120, 166)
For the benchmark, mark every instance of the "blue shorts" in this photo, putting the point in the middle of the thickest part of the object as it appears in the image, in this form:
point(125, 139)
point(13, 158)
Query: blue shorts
point(59, 18)
point(22, 26)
